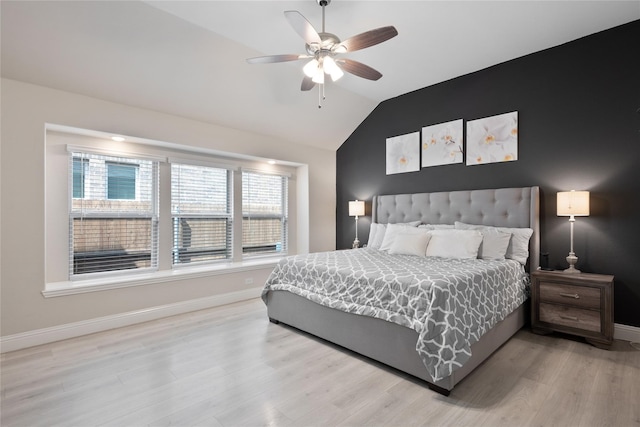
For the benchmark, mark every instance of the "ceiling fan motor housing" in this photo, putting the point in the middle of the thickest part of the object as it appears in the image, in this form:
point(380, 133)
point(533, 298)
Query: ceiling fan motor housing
point(328, 42)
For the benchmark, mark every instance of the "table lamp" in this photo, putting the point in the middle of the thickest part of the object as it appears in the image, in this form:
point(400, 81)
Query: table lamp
point(573, 203)
point(356, 208)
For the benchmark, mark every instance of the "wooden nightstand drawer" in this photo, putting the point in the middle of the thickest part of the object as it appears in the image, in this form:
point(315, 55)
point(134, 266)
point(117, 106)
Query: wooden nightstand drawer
point(573, 303)
point(587, 320)
point(576, 296)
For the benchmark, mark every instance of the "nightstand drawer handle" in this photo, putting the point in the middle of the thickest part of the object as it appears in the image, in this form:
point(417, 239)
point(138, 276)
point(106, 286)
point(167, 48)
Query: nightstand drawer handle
point(562, 316)
point(576, 296)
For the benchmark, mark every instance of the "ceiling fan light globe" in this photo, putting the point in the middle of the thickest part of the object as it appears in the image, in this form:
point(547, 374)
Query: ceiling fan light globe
point(319, 77)
point(311, 68)
point(331, 68)
point(329, 64)
point(336, 74)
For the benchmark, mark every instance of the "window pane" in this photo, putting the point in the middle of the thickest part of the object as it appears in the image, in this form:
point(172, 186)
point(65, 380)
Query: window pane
point(80, 167)
point(111, 244)
point(121, 182)
point(108, 188)
point(264, 214)
point(261, 235)
point(113, 217)
point(262, 194)
point(201, 212)
point(200, 239)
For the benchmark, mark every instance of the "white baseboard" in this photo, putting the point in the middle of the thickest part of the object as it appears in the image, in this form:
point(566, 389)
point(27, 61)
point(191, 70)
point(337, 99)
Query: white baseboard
point(85, 327)
point(626, 332)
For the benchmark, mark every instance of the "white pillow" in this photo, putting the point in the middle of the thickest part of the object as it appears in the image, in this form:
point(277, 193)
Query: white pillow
point(454, 243)
point(437, 226)
point(518, 248)
point(494, 244)
point(376, 234)
point(391, 232)
point(412, 241)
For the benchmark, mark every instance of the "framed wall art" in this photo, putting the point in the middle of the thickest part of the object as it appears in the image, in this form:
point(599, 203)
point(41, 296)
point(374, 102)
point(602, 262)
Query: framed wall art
point(403, 153)
point(442, 144)
point(493, 139)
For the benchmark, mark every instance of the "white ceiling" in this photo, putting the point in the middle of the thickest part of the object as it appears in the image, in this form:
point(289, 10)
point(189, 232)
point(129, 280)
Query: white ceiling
point(187, 58)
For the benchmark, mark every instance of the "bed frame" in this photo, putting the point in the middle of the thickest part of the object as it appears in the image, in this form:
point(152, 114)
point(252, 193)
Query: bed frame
point(392, 344)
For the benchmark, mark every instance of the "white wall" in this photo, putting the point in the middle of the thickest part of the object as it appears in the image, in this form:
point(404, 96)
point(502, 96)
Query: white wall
point(25, 110)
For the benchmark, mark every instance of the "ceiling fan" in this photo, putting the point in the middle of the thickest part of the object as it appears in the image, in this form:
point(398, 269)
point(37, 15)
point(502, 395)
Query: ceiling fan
point(324, 50)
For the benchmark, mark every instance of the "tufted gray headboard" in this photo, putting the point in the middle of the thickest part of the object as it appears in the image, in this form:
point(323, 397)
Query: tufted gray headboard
point(502, 207)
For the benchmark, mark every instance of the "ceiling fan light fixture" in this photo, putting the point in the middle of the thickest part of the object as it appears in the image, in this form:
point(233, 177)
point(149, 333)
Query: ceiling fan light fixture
point(311, 68)
point(331, 68)
point(336, 75)
point(318, 77)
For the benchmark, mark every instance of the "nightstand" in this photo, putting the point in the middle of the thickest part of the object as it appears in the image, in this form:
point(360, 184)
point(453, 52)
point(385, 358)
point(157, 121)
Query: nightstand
point(574, 303)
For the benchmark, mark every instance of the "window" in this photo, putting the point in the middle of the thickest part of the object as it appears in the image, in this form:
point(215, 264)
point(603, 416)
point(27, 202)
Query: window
point(201, 212)
point(113, 215)
point(264, 214)
point(142, 212)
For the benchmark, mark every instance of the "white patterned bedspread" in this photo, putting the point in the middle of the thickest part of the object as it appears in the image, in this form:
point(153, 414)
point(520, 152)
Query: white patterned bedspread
point(450, 303)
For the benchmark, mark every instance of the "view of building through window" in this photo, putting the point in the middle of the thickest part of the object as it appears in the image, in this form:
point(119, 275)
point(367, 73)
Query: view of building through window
point(114, 221)
point(201, 211)
point(264, 213)
point(113, 216)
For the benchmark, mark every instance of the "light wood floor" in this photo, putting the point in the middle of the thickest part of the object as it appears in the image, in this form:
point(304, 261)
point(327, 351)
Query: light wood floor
point(229, 366)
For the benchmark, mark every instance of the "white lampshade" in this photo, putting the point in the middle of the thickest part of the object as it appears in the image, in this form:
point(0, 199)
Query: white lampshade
point(574, 203)
point(356, 208)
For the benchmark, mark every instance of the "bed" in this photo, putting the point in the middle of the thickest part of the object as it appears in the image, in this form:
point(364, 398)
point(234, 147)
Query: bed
point(405, 340)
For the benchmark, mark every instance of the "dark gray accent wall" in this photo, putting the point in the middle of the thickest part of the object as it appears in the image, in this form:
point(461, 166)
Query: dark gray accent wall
point(579, 128)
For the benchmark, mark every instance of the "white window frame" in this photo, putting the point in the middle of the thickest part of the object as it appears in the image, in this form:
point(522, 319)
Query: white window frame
point(74, 214)
point(283, 216)
point(228, 216)
point(64, 139)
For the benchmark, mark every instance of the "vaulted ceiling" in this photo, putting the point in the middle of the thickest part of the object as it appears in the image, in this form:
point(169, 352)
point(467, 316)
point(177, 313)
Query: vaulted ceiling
point(187, 58)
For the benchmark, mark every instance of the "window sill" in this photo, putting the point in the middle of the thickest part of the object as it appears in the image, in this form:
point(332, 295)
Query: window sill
point(57, 289)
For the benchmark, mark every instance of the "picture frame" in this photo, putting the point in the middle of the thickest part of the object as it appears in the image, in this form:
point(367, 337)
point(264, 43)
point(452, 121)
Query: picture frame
point(442, 143)
point(403, 153)
point(492, 139)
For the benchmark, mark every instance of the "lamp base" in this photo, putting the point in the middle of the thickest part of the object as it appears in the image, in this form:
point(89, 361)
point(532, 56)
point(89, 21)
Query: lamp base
point(572, 259)
point(356, 244)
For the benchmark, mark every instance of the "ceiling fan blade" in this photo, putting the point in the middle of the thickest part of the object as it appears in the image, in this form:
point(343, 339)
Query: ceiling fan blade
point(367, 39)
point(307, 83)
point(275, 58)
point(359, 69)
point(302, 27)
